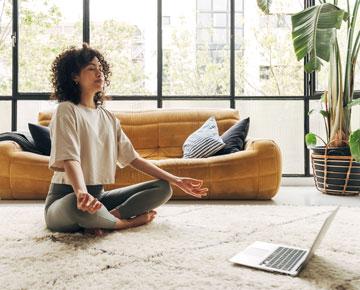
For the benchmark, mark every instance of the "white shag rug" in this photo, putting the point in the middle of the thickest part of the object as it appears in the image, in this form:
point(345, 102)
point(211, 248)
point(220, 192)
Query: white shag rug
point(185, 247)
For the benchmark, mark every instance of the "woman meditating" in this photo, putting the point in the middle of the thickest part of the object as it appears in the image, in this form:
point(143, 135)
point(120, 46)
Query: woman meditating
point(86, 143)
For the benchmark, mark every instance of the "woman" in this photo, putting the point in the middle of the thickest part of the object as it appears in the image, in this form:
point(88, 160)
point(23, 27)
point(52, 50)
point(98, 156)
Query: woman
point(86, 142)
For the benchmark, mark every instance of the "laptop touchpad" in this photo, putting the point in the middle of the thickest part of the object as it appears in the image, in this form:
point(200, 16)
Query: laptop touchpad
point(257, 252)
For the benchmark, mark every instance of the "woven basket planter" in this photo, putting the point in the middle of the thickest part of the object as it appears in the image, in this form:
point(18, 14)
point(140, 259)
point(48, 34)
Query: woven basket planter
point(335, 174)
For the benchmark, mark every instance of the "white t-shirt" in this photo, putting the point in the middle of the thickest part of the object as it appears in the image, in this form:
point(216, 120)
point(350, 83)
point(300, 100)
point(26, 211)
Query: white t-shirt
point(91, 136)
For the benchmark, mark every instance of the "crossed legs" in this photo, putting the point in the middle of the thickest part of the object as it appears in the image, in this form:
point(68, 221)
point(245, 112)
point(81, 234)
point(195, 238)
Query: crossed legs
point(123, 207)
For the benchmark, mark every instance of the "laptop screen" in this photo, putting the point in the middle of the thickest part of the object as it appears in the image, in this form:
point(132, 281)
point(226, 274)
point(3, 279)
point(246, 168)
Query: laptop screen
point(321, 233)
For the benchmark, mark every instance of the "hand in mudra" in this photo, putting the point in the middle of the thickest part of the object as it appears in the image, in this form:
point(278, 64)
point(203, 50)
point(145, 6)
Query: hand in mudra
point(191, 186)
point(86, 202)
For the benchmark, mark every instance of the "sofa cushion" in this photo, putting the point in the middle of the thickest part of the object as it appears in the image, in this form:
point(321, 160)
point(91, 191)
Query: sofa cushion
point(41, 136)
point(234, 137)
point(204, 142)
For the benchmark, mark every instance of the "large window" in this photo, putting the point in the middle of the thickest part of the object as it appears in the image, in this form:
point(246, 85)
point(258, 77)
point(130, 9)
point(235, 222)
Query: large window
point(196, 47)
point(132, 105)
point(280, 121)
point(46, 27)
point(266, 65)
point(5, 47)
point(173, 104)
point(181, 54)
point(127, 36)
point(27, 112)
point(5, 116)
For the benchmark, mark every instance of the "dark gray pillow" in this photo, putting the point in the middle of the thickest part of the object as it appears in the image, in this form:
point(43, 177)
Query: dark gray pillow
point(23, 138)
point(234, 137)
point(41, 136)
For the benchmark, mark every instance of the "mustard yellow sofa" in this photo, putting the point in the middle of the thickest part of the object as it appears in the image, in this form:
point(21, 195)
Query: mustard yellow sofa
point(158, 135)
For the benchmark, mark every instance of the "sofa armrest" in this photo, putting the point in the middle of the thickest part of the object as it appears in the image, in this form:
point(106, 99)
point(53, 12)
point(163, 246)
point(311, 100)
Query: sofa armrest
point(6, 147)
point(270, 160)
point(30, 158)
point(23, 174)
point(11, 152)
point(257, 168)
point(7, 150)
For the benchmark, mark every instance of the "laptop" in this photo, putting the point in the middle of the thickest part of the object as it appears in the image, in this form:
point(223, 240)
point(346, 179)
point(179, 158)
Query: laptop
point(278, 257)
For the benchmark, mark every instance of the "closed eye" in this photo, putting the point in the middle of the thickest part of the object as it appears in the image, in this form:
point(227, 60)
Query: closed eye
point(92, 66)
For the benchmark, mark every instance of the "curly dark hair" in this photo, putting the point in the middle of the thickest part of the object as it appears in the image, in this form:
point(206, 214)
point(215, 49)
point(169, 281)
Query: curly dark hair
point(68, 64)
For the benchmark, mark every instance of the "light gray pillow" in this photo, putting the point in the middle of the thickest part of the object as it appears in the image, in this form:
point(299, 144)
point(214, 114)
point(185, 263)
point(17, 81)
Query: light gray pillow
point(204, 142)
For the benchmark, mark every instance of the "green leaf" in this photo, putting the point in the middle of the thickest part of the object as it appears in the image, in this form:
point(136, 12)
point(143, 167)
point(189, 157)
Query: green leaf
point(354, 143)
point(324, 38)
point(264, 5)
point(353, 103)
point(310, 140)
point(313, 32)
point(322, 99)
point(314, 64)
point(324, 113)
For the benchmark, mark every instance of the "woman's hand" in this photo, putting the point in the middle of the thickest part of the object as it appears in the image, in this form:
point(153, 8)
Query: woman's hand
point(86, 202)
point(191, 186)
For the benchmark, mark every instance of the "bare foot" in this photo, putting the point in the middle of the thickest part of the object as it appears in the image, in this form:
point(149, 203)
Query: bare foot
point(96, 232)
point(115, 213)
point(137, 221)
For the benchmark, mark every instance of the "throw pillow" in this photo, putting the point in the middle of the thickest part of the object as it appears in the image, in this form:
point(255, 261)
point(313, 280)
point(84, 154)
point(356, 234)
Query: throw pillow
point(204, 142)
point(41, 136)
point(23, 138)
point(234, 137)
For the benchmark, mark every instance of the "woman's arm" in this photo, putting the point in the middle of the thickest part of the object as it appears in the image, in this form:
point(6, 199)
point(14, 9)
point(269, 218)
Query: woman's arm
point(189, 185)
point(74, 172)
point(85, 201)
point(151, 169)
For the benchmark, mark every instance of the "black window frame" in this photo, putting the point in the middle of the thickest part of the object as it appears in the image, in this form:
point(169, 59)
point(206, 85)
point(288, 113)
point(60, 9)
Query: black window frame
point(309, 79)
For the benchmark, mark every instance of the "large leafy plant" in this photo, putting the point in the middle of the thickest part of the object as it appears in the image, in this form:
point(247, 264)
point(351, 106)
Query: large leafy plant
point(314, 35)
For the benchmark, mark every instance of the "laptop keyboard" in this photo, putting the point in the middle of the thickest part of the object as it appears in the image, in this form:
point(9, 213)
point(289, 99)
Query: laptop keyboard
point(283, 258)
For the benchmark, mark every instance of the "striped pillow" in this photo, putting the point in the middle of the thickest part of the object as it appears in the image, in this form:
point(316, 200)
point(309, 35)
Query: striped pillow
point(204, 142)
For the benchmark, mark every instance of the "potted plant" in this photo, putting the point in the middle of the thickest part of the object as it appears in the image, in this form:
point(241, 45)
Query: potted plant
point(336, 164)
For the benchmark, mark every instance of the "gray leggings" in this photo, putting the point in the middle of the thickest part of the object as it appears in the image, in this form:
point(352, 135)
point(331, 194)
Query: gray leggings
point(62, 215)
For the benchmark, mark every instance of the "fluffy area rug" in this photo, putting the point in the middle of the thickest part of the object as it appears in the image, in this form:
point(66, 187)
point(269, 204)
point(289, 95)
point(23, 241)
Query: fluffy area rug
point(185, 247)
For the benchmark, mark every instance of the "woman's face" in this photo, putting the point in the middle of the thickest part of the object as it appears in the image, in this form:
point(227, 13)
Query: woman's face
point(91, 77)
